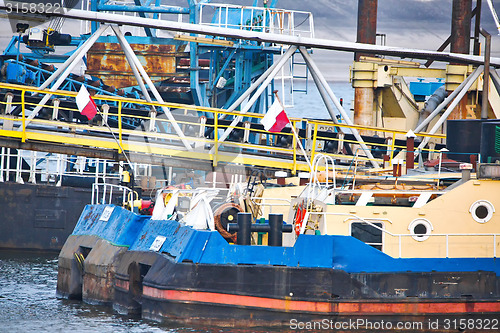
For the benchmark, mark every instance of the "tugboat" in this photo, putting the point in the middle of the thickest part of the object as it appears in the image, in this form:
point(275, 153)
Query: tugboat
point(168, 271)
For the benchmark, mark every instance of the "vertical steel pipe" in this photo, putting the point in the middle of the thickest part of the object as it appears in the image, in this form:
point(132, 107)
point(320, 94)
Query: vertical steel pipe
point(477, 28)
point(244, 229)
point(460, 42)
point(460, 26)
point(367, 23)
point(367, 33)
point(486, 76)
point(275, 236)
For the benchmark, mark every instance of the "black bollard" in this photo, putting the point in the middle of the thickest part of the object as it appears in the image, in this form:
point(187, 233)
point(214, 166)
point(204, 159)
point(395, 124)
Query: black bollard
point(274, 228)
point(244, 229)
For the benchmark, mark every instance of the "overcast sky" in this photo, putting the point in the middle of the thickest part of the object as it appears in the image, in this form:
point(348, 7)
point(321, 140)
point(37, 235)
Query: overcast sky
point(423, 24)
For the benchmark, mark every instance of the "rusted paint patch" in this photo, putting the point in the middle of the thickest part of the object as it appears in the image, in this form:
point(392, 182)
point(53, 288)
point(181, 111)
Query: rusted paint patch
point(107, 60)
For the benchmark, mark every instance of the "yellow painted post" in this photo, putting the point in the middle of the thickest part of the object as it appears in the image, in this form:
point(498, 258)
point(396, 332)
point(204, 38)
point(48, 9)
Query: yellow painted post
point(315, 134)
point(393, 144)
point(216, 139)
point(294, 147)
point(120, 127)
point(23, 108)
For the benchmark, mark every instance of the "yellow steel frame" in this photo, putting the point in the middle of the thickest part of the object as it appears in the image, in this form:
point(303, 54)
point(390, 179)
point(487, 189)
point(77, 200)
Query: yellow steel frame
point(81, 134)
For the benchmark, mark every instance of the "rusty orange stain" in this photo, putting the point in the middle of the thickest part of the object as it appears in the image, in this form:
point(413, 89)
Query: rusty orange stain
point(108, 62)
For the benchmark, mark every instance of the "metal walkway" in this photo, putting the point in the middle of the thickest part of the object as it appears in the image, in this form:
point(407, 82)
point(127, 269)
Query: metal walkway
point(155, 141)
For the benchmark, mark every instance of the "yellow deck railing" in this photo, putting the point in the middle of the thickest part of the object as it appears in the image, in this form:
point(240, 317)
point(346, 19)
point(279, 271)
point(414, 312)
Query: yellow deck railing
point(148, 139)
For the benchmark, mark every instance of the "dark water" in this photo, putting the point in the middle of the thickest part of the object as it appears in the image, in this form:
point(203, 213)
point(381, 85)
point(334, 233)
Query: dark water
point(28, 303)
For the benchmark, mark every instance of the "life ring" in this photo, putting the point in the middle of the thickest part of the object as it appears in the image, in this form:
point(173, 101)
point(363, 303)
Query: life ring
point(299, 218)
point(224, 214)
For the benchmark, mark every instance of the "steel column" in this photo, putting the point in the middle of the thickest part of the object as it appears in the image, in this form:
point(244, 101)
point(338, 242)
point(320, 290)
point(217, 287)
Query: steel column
point(460, 42)
point(313, 68)
point(486, 76)
point(367, 23)
point(367, 34)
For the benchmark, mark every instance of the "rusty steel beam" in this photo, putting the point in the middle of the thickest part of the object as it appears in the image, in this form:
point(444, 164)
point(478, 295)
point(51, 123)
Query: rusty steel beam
point(476, 13)
point(461, 17)
point(367, 23)
point(460, 26)
point(367, 34)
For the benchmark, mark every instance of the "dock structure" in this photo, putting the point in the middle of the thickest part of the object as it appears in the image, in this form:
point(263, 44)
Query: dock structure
point(96, 140)
point(228, 131)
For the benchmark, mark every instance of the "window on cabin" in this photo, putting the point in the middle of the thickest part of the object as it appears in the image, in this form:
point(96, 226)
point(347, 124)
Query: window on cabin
point(368, 233)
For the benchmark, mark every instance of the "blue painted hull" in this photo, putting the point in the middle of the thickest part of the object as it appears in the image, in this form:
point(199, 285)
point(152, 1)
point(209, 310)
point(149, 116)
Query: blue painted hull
point(196, 276)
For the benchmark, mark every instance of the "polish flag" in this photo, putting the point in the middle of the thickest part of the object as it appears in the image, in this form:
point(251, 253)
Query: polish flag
point(85, 103)
point(275, 119)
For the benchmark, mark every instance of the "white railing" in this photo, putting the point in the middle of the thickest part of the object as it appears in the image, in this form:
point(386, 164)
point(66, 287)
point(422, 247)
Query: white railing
point(50, 168)
point(103, 193)
point(265, 202)
point(271, 20)
point(400, 236)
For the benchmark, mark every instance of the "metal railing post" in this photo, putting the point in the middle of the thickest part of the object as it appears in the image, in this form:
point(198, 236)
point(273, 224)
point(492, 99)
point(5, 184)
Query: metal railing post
point(313, 148)
point(7, 175)
point(1, 164)
point(105, 112)
point(399, 246)
point(494, 246)
point(447, 248)
point(55, 108)
point(23, 108)
point(294, 146)
point(216, 139)
point(19, 178)
point(120, 139)
point(32, 178)
point(94, 186)
point(60, 168)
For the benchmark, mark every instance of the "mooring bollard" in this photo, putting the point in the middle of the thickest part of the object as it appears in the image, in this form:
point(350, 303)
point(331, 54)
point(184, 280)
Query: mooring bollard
point(245, 227)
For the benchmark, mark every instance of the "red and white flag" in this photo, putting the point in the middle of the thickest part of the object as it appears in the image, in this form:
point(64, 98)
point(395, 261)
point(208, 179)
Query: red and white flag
point(85, 103)
point(275, 119)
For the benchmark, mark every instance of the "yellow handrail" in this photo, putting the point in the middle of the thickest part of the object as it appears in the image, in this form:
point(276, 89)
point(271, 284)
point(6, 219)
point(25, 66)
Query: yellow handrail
point(84, 134)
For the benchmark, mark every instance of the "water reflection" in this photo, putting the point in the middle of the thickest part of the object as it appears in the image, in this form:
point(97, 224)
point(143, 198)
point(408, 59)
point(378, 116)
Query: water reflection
point(28, 303)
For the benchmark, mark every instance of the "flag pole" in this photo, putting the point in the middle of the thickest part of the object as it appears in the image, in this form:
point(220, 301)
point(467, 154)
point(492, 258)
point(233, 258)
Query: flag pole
point(296, 135)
